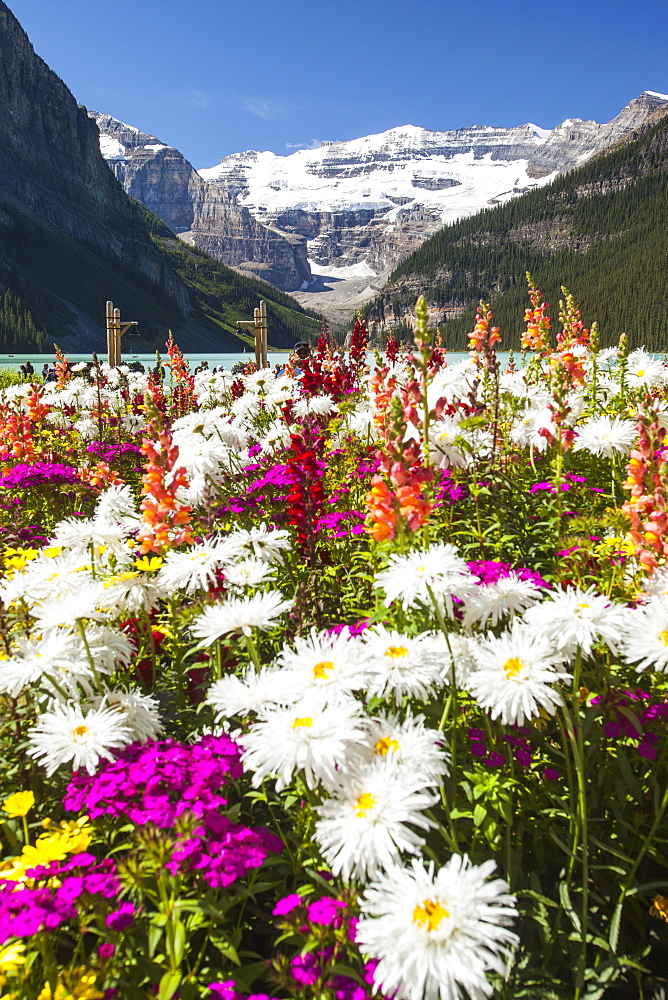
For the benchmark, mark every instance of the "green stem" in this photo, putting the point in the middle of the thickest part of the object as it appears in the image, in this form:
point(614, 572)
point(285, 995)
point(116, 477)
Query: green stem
point(82, 633)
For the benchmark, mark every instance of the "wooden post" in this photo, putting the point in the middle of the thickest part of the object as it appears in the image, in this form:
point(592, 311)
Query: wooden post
point(114, 333)
point(110, 330)
point(263, 333)
point(117, 339)
point(259, 327)
point(258, 341)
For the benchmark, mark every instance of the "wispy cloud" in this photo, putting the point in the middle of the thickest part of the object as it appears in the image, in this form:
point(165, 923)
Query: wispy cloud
point(195, 99)
point(313, 144)
point(272, 110)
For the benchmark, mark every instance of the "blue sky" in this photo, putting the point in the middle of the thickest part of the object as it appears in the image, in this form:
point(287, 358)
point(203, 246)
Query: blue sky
point(214, 77)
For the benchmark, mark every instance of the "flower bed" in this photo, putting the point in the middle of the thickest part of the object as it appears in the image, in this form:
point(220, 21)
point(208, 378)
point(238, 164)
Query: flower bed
point(349, 685)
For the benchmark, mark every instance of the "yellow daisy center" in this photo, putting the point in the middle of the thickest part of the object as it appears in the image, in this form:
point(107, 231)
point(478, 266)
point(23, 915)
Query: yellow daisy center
point(384, 745)
point(365, 802)
point(80, 732)
point(396, 652)
point(321, 670)
point(305, 722)
point(512, 667)
point(664, 637)
point(429, 914)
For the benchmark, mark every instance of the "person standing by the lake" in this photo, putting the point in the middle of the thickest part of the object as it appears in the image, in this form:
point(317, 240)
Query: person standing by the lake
point(300, 352)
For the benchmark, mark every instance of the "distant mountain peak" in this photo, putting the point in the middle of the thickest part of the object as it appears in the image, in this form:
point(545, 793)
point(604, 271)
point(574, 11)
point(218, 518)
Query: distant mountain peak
point(361, 205)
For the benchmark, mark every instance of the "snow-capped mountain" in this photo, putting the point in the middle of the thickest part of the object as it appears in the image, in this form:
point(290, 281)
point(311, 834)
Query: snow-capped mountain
point(356, 208)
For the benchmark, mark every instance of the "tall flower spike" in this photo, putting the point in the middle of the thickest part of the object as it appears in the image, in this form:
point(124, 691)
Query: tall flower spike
point(165, 521)
point(537, 335)
point(483, 340)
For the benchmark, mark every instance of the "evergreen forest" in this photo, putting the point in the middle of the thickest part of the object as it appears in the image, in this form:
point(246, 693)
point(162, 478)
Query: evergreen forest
point(600, 230)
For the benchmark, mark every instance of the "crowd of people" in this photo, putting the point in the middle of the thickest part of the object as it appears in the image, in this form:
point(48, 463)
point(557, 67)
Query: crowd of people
point(293, 366)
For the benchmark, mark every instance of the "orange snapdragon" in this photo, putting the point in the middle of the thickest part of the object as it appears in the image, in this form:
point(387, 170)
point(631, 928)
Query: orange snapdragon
point(647, 483)
point(165, 520)
point(537, 335)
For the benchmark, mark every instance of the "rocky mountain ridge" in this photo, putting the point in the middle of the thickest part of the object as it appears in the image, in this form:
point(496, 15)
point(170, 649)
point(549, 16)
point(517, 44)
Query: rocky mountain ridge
point(209, 216)
point(70, 237)
point(354, 209)
point(599, 230)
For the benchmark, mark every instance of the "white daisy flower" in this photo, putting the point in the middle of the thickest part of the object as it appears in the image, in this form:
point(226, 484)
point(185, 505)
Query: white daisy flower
point(643, 370)
point(459, 661)
point(645, 639)
point(53, 661)
point(510, 595)
point(262, 542)
point(437, 935)
point(365, 824)
point(323, 664)
point(131, 592)
point(80, 534)
point(526, 431)
point(133, 423)
point(439, 573)
point(239, 614)
point(515, 676)
point(408, 745)
point(657, 584)
point(140, 713)
point(67, 735)
point(109, 648)
point(318, 405)
point(606, 436)
point(70, 608)
point(444, 443)
point(196, 568)
point(302, 738)
point(571, 618)
point(87, 427)
point(251, 572)
point(276, 437)
point(402, 665)
point(117, 505)
point(254, 691)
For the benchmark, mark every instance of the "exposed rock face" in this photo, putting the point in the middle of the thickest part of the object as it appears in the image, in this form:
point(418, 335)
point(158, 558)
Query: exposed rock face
point(575, 141)
point(205, 214)
point(366, 203)
point(50, 162)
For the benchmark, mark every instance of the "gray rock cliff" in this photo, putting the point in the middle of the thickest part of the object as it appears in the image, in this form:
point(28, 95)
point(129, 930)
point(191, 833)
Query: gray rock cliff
point(203, 213)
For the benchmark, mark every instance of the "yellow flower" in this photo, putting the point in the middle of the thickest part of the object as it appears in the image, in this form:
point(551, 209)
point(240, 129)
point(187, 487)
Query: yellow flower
point(18, 804)
point(148, 565)
point(71, 838)
point(11, 956)
point(659, 908)
point(78, 985)
point(17, 558)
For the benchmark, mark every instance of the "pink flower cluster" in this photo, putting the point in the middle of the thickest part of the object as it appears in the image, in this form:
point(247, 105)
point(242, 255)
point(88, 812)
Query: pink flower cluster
point(631, 715)
point(54, 893)
point(318, 920)
point(160, 781)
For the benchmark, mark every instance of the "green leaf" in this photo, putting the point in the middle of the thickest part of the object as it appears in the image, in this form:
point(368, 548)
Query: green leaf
point(565, 898)
point(169, 984)
point(479, 814)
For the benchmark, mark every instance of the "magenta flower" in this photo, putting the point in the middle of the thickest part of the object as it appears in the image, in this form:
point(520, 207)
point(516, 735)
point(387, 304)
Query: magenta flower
point(326, 911)
point(122, 917)
point(286, 905)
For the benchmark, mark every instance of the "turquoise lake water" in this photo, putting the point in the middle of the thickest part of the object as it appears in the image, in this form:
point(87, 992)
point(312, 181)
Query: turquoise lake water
point(274, 358)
